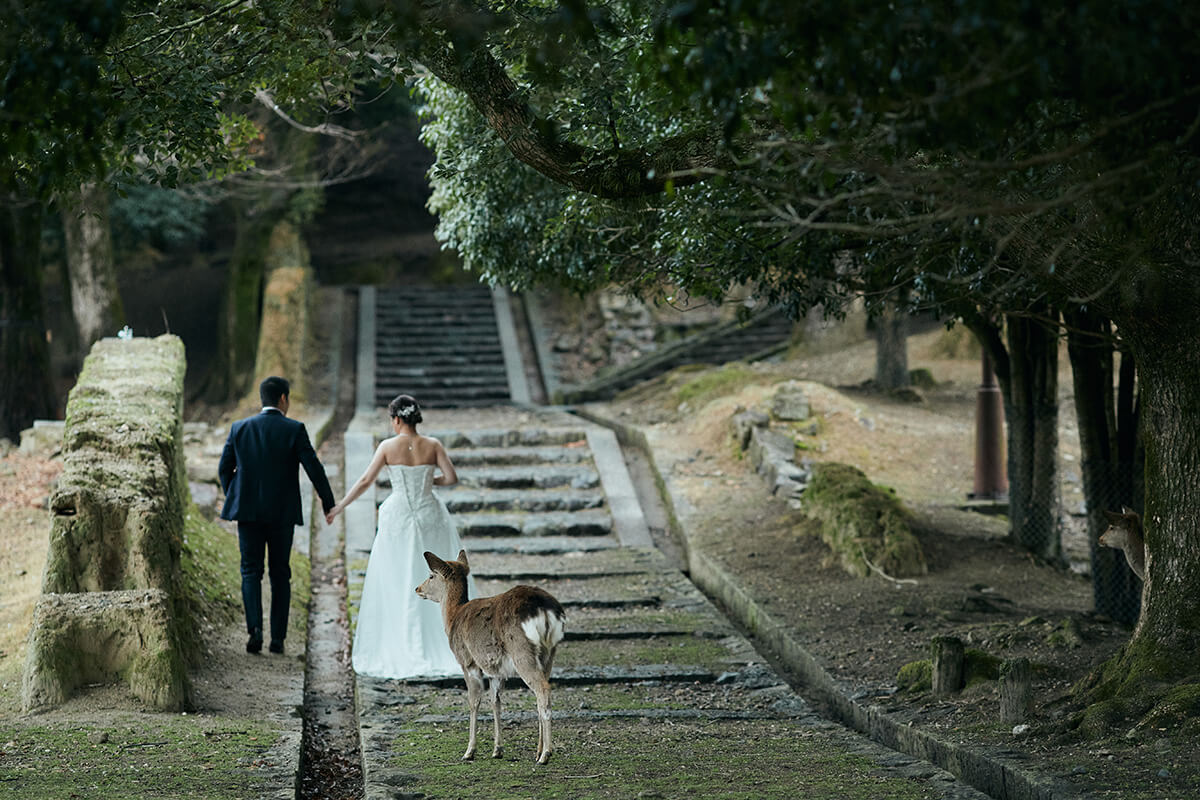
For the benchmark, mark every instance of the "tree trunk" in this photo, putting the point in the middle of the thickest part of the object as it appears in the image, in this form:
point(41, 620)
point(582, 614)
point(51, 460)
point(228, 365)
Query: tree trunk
point(891, 349)
point(1154, 306)
point(232, 372)
point(1170, 622)
point(1027, 371)
point(95, 300)
point(26, 389)
point(1107, 479)
point(1031, 410)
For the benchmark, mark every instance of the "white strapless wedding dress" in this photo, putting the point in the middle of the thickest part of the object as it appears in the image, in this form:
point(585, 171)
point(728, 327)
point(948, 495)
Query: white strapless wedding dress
point(398, 634)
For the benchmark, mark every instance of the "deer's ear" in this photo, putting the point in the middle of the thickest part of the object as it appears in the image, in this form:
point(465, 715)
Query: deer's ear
point(1112, 516)
point(1126, 510)
point(435, 563)
point(462, 558)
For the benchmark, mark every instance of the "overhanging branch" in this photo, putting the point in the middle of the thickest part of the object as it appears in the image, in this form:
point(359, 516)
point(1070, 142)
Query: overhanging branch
point(614, 174)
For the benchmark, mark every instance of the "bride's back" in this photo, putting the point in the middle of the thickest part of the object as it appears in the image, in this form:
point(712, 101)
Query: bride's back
point(410, 451)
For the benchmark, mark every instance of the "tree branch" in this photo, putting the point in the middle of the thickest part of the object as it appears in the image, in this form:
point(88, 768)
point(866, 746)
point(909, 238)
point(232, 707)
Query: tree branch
point(614, 174)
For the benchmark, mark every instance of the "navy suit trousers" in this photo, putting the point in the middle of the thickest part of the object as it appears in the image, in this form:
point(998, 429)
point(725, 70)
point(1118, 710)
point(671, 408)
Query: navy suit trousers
point(275, 539)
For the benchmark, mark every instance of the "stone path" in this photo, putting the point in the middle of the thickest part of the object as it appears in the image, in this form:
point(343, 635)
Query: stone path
point(655, 693)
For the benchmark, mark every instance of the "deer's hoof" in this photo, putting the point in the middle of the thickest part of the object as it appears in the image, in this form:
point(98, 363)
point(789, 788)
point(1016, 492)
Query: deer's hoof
point(544, 758)
point(498, 752)
point(469, 755)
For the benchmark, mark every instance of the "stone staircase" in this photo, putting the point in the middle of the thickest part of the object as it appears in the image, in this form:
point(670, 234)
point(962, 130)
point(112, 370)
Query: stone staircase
point(526, 490)
point(761, 336)
point(439, 344)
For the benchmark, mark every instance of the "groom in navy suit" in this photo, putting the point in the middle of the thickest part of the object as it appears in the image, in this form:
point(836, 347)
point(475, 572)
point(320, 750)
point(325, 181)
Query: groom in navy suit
point(259, 473)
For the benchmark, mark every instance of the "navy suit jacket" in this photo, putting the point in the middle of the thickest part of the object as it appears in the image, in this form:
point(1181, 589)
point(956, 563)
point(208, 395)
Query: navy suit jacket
point(259, 470)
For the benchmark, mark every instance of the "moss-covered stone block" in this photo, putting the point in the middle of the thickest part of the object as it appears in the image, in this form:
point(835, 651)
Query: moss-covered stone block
point(118, 505)
point(113, 605)
point(865, 525)
point(104, 637)
point(283, 336)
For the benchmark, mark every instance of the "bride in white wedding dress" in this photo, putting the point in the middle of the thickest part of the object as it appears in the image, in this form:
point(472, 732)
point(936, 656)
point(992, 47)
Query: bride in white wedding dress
point(397, 634)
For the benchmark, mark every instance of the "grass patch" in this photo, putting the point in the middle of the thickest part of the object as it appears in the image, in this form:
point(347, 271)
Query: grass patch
point(632, 758)
point(211, 565)
point(131, 758)
point(685, 650)
point(714, 383)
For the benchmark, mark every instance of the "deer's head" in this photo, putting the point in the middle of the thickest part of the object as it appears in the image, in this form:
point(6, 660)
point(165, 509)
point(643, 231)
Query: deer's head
point(443, 574)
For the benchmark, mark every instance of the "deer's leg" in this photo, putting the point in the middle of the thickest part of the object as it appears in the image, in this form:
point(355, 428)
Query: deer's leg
point(474, 695)
point(497, 683)
point(541, 689)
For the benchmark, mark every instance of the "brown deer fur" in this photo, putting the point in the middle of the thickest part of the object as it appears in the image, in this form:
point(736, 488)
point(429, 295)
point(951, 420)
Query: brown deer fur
point(1124, 532)
point(511, 634)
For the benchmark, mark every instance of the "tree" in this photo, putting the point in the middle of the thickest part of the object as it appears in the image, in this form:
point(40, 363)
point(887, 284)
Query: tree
point(95, 300)
point(129, 91)
point(1061, 140)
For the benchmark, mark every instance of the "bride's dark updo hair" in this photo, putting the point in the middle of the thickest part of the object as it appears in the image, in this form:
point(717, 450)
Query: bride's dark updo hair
point(405, 409)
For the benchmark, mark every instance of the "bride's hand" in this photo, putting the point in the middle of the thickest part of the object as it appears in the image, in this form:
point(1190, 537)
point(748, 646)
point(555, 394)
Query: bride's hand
point(333, 512)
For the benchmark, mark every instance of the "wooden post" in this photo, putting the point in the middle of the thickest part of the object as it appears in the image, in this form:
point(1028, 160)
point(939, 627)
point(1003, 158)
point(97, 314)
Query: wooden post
point(1016, 690)
point(948, 664)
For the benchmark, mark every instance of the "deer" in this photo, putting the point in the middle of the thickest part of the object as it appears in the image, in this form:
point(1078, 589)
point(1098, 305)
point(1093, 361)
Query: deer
point(1124, 532)
point(510, 634)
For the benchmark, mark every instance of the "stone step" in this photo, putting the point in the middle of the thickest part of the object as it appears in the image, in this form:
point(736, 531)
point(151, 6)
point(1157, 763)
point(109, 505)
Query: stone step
point(529, 477)
point(677, 650)
point(526, 567)
point(467, 323)
point(508, 437)
point(441, 398)
point(521, 454)
point(444, 361)
point(405, 368)
point(451, 350)
point(444, 381)
point(593, 522)
point(698, 621)
point(580, 676)
point(469, 500)
point(540, 545)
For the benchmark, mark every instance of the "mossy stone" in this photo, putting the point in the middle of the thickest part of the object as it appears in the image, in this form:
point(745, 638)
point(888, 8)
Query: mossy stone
point(862, 523)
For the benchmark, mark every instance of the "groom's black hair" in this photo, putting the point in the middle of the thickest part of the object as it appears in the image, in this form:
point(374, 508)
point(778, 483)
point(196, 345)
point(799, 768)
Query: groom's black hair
point(273, 388)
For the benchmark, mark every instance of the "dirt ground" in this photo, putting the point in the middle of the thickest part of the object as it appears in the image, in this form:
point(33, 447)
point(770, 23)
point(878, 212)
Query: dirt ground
point(996, 598)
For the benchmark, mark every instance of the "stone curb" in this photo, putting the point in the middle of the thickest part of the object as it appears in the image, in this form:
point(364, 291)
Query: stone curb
point(991, 773)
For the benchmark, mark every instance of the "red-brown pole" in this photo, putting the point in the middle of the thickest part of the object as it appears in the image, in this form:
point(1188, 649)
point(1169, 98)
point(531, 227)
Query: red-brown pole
point(991, 475)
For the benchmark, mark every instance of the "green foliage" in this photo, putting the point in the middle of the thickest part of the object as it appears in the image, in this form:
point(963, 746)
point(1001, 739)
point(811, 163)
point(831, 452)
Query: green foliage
point(164, 218)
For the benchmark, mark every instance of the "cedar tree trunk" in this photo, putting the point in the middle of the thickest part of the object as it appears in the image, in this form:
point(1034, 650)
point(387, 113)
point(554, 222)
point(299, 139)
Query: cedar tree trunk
point(26, 389)
point(95, 299)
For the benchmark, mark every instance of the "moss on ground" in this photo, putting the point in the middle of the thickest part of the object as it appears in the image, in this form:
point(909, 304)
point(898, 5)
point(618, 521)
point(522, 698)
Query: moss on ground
point(643, 758)
point(862, 522)
point(978, 667)
point(679, 650)
point(915, 676)
point(171, 756)
point(714, 383)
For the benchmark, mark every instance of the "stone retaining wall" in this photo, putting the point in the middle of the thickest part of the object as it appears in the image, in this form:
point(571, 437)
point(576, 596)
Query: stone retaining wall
point(112, 598)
